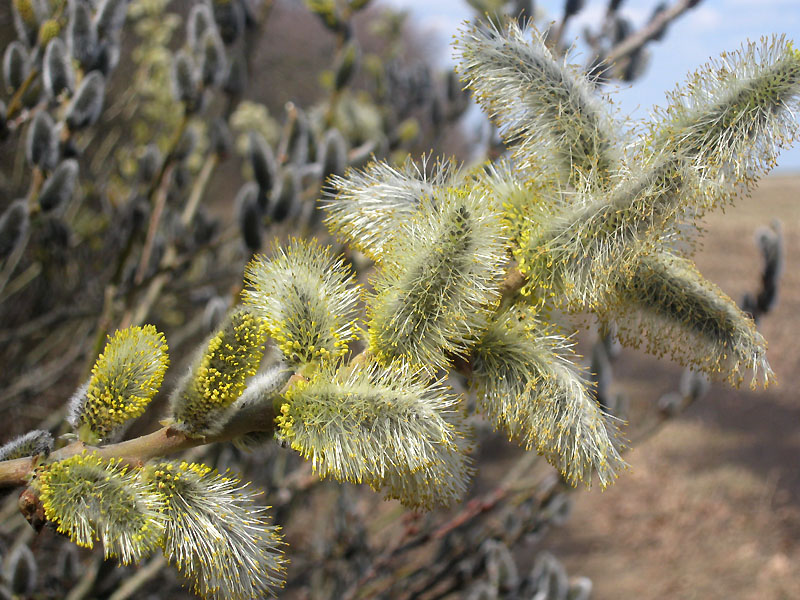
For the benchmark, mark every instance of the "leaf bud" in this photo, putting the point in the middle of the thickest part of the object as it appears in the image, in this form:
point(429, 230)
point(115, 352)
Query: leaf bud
point(262, 160)
point(185, 81)
point(149, 163)
point(42, 142)
point(236, 79)
point(229, 16)
point(13, 227)
point(57, 70)
point(572, 7)
point(87, 104)
point(21, 571)
point(248, 213)
point(59, 187)
point(198, 23)
point(15, 65)
point(213, 62)
point(221, 140)
point(110, 17)
point(332, 154)
point(3, 121)
point(26, 14)
point(186, 145)
point(285, 198)
point(81, 35)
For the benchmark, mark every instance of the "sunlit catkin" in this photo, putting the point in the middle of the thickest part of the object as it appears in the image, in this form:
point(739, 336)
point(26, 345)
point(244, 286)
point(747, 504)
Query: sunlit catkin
point(530, 388)
point(377, 425)
point(90, 498)
point(667, 303)
point(124, 379)
point(308, 298)
point(201, 403)
point(366, 207)
point(437, 280)
point(544, 107)
point(215, 534)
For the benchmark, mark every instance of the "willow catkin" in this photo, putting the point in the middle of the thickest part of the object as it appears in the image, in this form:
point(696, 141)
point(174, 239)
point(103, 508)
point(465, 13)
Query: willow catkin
point(87, 103)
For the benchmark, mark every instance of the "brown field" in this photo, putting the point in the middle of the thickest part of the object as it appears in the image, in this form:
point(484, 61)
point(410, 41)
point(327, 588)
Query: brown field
point(711, 505)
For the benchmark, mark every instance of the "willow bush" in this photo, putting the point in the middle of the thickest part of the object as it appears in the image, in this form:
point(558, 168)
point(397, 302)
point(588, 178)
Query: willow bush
point(472, 263)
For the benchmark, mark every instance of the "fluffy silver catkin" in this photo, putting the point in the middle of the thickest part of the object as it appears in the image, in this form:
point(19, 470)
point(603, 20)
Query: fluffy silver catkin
point(215, 533)
point(546, 109)
point(530, 388)
point(308, 298)
point(389, 427)
point(438, 279)
point(81, 34)
point(30, 444)
point(366, 207)
point(667, 303)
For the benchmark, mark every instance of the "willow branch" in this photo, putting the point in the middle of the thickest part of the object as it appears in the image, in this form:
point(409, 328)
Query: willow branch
point(657, 25)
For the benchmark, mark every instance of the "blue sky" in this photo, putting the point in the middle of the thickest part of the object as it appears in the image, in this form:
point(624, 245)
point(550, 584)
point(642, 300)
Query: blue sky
point(704, 32)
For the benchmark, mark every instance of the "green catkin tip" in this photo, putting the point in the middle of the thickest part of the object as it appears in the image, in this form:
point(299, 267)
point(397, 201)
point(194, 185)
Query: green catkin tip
point(308, 299)
point(87, 104)
point(13, 227)
point(59, 187)
point(215, 534)
point(57, 72)
point(48, 31)
point(89, 498)
point(202, 403)
point(124, 380)
point(15, 65)
point(32, 443)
